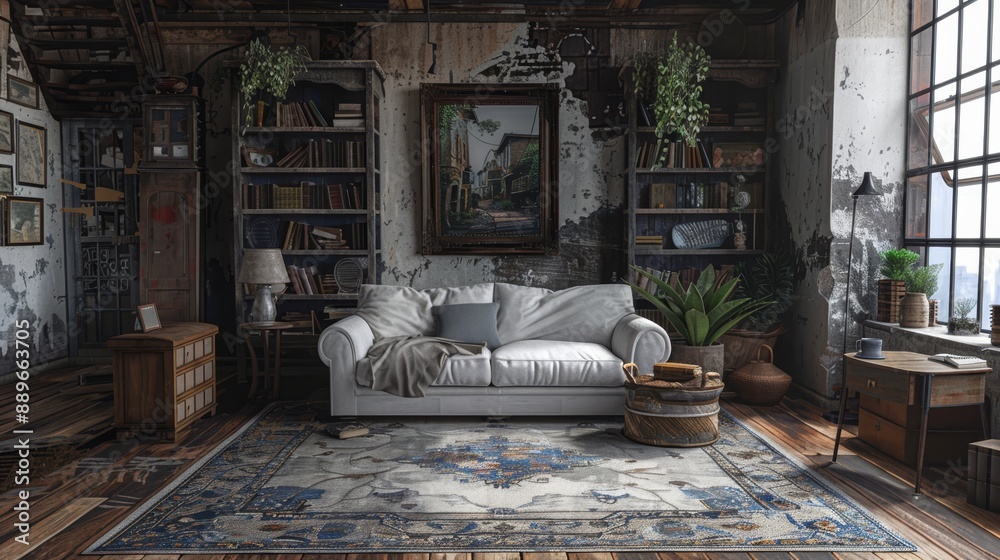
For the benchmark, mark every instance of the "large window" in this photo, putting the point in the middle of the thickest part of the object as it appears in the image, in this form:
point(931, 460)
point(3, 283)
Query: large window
point(953, 157)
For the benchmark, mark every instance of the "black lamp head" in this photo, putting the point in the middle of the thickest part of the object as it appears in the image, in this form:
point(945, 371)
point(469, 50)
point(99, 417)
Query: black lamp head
point(867, 187)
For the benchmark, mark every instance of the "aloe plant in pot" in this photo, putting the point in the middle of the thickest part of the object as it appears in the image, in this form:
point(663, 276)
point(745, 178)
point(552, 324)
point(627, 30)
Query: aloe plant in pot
point(701, 314)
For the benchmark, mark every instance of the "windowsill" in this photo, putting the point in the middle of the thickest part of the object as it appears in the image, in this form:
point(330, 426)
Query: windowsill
point(973, 345)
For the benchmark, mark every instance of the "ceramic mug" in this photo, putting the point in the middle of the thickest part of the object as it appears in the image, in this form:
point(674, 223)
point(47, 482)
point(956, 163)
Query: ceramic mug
point(869, 347)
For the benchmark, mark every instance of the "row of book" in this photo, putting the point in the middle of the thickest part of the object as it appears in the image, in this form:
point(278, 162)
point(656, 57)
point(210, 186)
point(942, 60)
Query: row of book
point(306, 280)
point(649, 240)
point(307, 195)
point(326, 153)
point(672, 155)
point(305, 237)
point(307, 114)
point(747, 113)
point(701, 195)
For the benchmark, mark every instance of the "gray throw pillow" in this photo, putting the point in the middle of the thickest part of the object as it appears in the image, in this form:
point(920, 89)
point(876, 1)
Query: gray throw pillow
point(469, 322)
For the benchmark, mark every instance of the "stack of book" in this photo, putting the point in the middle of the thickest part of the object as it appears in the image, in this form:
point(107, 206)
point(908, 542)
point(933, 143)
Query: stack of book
point(718, 117)
point(348, 115)
point(328, 238)
point(649, 240)
point(748, 114)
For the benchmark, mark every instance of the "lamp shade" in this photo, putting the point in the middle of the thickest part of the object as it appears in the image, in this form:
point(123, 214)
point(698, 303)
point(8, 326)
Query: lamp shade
point(867, 187)
point(263, 266)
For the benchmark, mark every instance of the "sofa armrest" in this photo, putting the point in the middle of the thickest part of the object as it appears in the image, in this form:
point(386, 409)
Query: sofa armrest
point(341, 346)
point(639, 340)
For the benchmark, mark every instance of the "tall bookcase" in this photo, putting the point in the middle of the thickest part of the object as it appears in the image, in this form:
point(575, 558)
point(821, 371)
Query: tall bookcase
point(311, 168)
point(699, 189)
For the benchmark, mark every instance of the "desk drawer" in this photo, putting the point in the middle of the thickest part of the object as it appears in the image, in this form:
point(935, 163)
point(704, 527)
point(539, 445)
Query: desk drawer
point(887, 385)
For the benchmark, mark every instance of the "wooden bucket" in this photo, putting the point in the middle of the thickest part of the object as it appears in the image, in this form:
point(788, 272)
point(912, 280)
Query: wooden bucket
point(671, 414)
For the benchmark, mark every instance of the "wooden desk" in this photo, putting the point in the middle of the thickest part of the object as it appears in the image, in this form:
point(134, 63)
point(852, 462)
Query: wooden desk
point(265, 330)
point(910, 378)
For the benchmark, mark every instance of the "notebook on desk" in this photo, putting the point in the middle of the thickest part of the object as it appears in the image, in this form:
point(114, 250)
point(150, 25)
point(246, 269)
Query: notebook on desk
point(957, 361)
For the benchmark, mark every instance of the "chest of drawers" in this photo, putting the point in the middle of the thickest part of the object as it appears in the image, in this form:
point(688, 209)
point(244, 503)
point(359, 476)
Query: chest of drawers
point(164, 380)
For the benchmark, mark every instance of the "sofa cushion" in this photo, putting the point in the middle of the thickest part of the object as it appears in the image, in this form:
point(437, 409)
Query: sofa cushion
point(468, 322)
point(404, 311)
point(458, 371)
point(536, 363)
point(579, 314)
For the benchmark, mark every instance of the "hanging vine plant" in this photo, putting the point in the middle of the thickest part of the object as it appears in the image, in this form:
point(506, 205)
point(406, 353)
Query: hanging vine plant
point(669, 82)
point(269, 71)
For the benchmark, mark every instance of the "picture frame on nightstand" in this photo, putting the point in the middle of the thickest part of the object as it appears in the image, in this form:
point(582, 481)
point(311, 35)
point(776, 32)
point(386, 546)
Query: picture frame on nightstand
point(149, 320)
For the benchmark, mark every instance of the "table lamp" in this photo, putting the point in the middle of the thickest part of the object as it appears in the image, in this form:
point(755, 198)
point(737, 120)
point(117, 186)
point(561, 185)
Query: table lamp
point(263, 267)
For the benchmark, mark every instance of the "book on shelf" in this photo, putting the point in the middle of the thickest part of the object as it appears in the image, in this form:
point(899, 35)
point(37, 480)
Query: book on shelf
point(307, 195)
point(304, 237)
point(307, 280)
point(662, 195)
point(325, 153)
point(957, 361)
point(672, 155)
point(341, 122)
point(649, 240)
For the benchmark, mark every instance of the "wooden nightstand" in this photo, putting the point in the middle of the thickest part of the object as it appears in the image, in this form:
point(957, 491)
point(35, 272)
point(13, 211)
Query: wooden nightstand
point(164, 380)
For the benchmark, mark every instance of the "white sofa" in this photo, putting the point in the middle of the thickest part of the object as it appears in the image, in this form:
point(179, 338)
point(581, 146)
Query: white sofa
point(561, 352)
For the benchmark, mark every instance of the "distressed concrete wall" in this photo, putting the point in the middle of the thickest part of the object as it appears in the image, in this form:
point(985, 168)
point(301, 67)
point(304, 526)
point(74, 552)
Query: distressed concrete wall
point(841, 99)
point(33, 278)
point(591, 164)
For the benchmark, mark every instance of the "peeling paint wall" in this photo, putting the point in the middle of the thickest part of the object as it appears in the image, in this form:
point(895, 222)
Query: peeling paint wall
point(591, 165)
point(840, 107)
point(33, 278)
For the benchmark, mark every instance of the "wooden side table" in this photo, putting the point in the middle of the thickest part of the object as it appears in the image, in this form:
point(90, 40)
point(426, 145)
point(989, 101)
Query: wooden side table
point(910, 378)
point(265, 331)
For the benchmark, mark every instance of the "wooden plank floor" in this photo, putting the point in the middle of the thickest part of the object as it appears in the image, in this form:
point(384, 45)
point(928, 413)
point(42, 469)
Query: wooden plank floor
point(74, 505)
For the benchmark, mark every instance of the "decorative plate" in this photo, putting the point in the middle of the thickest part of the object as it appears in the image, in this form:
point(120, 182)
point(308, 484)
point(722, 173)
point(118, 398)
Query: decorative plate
point(260, 234)
point(349, 274)
point(700, 235)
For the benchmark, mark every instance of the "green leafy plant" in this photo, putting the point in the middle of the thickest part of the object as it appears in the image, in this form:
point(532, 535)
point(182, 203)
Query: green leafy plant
point(670, 84)
point(896, 263)
point(768, 277)
point(923, 279)
point(268, 70)
point(703, 312)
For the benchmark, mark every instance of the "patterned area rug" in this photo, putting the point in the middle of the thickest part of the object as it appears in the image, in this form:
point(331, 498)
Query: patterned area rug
point(282, 484)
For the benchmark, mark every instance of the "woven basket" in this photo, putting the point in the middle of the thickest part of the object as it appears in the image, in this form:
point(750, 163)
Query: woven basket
point(759, 382)
point(741, 345)
point(671, 414)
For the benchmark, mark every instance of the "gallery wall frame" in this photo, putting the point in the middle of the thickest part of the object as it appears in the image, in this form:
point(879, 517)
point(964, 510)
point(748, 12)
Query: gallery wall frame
point(23, 221)
point(22, 92)
point(6, 133)
point(149, 319)
point(30, 157)
point(6, 179)
point(490, 168)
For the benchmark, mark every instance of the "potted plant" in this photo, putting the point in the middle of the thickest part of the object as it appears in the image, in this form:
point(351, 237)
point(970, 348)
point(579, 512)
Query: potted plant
point(701, 314)
point(768, 277)
point(268, 71)
point(921, 282)
point(896, 264)
point(669, 83)
point(960, 323)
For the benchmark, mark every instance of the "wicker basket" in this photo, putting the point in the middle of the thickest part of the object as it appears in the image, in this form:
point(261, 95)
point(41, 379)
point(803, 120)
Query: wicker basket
point(742, 345)
point(671, 414)
point(759, 382)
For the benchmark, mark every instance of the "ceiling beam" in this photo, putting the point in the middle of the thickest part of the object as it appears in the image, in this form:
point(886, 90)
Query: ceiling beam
point(406, 5)
point(79, 44)
point(97, 65)
point(127, 21)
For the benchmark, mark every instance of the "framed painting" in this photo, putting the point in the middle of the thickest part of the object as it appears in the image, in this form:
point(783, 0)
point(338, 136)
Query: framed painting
point(22, 92)
point(6, 133)
point(31, 155)
point(6, 179)
point(149, 319)
point(490, 157)
point(24, 224)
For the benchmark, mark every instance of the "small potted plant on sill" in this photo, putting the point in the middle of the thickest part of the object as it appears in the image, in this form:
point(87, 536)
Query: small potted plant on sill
point(921, 282)
point(265, 76)
point(960, 323)
point(768, 277)
point(896, 265)
point(701, 314)
point(669, 84)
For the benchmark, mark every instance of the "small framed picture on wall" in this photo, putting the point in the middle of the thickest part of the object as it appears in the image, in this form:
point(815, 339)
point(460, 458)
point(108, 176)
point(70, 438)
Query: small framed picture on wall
point(6, 179)
point(22, 92)
point(149, 319)
point(23, 223)
point(6, 133)
point(30, 158)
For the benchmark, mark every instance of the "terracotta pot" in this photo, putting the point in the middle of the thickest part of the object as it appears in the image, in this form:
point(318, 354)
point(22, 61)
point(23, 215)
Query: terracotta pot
point(710, 358)
point(915, 310)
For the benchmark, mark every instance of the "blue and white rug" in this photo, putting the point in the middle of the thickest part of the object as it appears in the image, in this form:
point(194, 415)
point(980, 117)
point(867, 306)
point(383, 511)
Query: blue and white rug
point(282, 485)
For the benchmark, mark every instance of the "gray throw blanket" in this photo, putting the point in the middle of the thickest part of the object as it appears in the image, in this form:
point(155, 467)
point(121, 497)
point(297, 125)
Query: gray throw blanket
point(407, 365)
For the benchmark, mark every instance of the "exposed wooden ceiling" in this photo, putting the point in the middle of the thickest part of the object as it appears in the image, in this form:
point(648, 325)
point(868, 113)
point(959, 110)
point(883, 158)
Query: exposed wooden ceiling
point(89, 56)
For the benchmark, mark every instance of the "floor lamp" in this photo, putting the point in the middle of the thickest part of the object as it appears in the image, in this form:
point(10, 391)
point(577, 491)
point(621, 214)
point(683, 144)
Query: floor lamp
point(867, 188)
